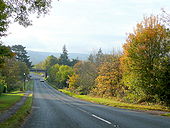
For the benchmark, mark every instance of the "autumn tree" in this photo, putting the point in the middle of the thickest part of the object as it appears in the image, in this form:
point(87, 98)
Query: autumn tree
point(145, 61)
point(74, 83)
point(84, 78)
point(108, 81)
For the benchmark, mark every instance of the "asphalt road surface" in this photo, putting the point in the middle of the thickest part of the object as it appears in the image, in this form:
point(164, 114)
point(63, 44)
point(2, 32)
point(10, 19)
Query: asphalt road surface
point(53, 109)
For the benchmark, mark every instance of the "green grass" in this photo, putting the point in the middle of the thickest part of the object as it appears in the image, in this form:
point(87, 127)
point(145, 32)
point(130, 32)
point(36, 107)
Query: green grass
point(16, 120)
point(166, 114)
point(115, 103)
point(8, 100)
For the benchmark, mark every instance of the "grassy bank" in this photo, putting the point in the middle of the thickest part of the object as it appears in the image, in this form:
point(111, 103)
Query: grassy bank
point(16, 120)
point(114, 103)
point(8, 100)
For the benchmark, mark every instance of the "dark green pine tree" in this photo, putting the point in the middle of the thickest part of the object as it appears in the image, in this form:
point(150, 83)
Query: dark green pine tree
point(21, 54)
point(64, 60)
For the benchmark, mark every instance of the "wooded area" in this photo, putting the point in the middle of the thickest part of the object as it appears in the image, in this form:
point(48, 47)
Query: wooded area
point(14, 68)
point(140, 74)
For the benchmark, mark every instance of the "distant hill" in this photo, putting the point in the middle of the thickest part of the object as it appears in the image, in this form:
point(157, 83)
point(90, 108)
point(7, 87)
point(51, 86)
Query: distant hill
point(36, 57)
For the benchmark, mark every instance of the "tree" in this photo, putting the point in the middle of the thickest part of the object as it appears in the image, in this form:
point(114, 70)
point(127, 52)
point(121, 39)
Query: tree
point(59, 75)
point(2, 85)
point(84, 77)
point(52, 73)
point(22, 69)
point(21, 54)
point(108, 81)
point(64, 60)
point(13, 73)
point(96, 58)
point(50, 61)
point(73, 62)
point(62, 75)
point(145, 61)
point(3, 18)
point(5, 52)
point(19, 11)
point(74, 83)
point(165, 17)
point(99, 57)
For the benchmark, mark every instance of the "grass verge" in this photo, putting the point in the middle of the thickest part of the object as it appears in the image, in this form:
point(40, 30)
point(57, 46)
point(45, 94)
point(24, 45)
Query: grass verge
point(16, 119)
point(8, 100)
point(166, 114)
point(114, 103)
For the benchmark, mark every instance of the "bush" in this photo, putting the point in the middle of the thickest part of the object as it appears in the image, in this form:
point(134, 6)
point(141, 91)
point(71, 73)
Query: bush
point(3, 86)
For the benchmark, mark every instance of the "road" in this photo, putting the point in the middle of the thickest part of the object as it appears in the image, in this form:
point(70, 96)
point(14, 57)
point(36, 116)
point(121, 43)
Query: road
point(53, 109)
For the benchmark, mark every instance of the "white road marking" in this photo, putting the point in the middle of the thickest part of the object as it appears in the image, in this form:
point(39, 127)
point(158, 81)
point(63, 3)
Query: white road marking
point(50, 90)
point(101, 119)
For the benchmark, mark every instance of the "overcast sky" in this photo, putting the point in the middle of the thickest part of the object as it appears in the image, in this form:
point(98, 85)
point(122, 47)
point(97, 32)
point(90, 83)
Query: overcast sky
point(84, 25)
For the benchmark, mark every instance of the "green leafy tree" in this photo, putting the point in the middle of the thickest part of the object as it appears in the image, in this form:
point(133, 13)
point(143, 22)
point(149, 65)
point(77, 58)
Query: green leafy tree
point(22, 69)
point(50, 61)
point(13, 73)
point(5, 52)
point(20, 11)
point(3, 18)
point(62, 76)
point(21, 54)
point(59, 75)
point(52, 73)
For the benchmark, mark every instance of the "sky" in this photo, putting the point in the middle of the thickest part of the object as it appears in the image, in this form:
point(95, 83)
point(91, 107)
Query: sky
point(84, 26)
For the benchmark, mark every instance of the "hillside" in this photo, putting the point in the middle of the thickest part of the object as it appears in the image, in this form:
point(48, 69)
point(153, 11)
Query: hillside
point(37, 57)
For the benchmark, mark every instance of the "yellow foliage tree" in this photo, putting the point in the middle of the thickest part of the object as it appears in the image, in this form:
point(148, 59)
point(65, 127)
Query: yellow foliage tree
point(145, 59)
point(109, 77)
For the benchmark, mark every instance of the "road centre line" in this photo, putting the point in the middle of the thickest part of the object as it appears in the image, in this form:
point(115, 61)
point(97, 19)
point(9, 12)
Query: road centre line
point(101, 119)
